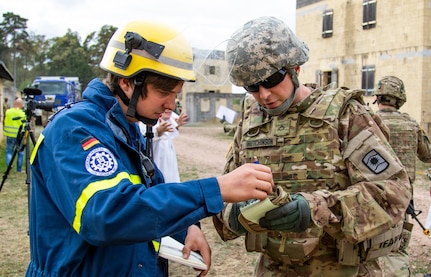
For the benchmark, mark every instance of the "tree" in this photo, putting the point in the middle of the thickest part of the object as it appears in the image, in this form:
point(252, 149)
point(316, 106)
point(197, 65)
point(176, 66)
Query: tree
point(14, 32)
point(67, 57)
point(96, 45)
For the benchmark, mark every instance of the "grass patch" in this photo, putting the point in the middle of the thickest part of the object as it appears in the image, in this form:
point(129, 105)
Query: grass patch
point(14, 242)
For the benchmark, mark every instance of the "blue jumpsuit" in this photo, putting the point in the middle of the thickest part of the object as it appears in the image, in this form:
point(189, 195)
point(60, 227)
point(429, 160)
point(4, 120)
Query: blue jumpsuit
point(94, 211)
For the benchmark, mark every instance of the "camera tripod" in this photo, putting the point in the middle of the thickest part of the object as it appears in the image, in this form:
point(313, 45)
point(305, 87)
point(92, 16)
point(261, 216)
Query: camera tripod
point(21, 144)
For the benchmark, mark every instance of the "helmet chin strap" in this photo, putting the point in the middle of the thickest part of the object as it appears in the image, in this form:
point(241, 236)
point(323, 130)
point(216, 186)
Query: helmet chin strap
point(288, 102)
point(131, 103)
point(131, 112)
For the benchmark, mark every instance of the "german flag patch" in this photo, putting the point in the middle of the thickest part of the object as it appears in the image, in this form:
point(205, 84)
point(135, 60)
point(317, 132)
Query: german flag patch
point(89, 142)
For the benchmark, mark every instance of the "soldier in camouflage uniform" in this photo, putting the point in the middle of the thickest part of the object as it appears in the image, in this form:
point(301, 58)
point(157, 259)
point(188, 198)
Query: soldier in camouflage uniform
point(341, 191)
point(407, 138)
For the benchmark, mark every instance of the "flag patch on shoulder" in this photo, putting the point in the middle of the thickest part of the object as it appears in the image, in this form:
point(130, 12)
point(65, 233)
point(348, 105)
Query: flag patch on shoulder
point(89, 142)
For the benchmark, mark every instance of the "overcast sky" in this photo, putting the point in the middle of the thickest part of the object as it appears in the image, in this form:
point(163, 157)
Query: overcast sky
point(206, 23)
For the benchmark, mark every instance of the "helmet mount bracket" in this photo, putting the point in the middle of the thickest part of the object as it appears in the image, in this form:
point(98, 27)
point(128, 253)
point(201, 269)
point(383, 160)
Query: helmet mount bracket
point(132, 41)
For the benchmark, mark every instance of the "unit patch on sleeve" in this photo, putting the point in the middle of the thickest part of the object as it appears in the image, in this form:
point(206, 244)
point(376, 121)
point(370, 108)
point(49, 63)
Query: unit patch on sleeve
point(101, 162)
point(375, 162)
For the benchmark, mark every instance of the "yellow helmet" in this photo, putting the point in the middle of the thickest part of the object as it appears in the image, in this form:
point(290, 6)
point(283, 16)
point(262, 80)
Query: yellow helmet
point(148, 46)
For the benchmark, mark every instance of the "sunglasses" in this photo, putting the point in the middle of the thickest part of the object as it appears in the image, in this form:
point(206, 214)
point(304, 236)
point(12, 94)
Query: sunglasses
point(269, 82)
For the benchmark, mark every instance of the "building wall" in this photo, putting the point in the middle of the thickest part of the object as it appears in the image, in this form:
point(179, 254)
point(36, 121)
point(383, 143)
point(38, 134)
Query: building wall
point(212, 76)
point(399, 45)
point(204, 106)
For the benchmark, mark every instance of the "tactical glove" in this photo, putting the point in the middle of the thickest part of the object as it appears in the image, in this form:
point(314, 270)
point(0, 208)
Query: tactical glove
point(294, 216)
point(234, 224)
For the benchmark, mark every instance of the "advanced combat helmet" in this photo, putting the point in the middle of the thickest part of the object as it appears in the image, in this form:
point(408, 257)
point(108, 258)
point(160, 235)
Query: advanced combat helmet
point(148, 46)
point(260, 48)
point(390, 91)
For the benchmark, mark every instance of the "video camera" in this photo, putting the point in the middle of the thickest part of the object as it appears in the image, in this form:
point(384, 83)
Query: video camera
point(32, 104)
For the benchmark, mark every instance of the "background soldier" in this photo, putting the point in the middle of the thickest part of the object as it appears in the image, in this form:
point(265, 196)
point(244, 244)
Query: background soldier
point(342, 193)
point(407, 138)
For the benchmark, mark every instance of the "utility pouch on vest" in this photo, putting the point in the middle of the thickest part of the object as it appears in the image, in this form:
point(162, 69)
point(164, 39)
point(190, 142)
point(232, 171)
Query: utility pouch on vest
point(251, 213)
point(406, 235)
point(291, 250)
point(348, 253)
point(352, 254)
point(383, 244)
point(255, 242)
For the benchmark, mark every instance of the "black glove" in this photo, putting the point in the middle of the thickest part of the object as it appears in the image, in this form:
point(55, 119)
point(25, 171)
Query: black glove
point(293, 216)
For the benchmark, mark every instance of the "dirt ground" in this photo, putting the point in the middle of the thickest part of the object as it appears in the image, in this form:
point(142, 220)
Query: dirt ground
point(201, 153)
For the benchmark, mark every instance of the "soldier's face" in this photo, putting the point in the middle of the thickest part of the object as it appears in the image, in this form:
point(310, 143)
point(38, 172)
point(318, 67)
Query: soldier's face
point(271, 98)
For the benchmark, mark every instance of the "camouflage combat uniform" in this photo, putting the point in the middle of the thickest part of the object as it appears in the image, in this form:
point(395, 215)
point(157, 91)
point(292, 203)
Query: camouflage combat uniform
point(406, 136)
point(407, 139)
point(328, 148)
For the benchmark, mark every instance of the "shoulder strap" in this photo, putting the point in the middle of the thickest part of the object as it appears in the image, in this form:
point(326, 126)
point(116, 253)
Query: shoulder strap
point(332, 103)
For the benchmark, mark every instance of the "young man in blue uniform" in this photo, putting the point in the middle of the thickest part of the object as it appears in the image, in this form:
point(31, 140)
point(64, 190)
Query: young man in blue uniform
point(98, 206)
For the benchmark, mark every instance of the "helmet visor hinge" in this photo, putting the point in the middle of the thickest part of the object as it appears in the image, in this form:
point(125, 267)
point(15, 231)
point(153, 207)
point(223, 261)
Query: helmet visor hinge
point(132, 41)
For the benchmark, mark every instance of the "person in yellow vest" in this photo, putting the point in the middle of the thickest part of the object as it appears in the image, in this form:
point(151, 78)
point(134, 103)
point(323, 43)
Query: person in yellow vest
point(13, 120)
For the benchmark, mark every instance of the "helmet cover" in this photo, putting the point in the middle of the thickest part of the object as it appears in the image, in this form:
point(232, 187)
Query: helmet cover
point(391, 86)
point(260, 48)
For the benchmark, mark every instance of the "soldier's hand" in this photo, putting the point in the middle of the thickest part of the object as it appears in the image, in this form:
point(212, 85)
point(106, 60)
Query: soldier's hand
point(249, 181)
point(293, 216)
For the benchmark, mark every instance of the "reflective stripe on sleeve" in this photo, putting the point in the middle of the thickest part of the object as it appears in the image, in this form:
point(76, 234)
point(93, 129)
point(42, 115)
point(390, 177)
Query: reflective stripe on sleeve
point(93, 188)
point(36, 147)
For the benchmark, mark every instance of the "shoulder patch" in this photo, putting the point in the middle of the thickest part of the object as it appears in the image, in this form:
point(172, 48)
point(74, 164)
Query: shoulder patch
point(88, 142)
point(375, 162)
point(101, 162)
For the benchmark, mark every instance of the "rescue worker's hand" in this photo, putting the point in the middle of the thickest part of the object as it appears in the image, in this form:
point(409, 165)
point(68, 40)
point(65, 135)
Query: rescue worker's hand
point(249, 181)
point(196, 241)
point(293, 216)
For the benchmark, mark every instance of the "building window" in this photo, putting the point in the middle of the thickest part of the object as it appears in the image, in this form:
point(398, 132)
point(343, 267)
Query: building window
point(212, 70)
point(369, 14)
point(327, 23)
point(368, 72)
point(327, 79)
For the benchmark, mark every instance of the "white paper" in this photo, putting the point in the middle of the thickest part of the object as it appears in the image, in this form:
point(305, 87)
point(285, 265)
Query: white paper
point(226, 113)
point(428, 222)
point(171, 249)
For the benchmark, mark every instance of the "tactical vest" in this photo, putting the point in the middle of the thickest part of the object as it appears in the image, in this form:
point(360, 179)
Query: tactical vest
point(303, 151)
point(403, 138)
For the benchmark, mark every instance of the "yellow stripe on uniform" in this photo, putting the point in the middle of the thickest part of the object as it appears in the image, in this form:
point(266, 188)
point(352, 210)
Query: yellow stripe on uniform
point(36, 147)
point(95, 187)
point(156, 245)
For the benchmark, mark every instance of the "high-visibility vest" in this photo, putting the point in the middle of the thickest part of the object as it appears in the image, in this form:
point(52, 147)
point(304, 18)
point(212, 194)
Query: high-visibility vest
point(13, 120)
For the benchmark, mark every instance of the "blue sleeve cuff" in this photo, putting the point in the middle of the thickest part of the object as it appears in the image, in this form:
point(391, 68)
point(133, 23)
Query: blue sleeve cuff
point(212, 196)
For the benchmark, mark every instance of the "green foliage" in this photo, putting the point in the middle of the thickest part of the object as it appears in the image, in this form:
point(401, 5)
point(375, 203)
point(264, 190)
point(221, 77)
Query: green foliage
point(28, 55)
point(15, 252)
